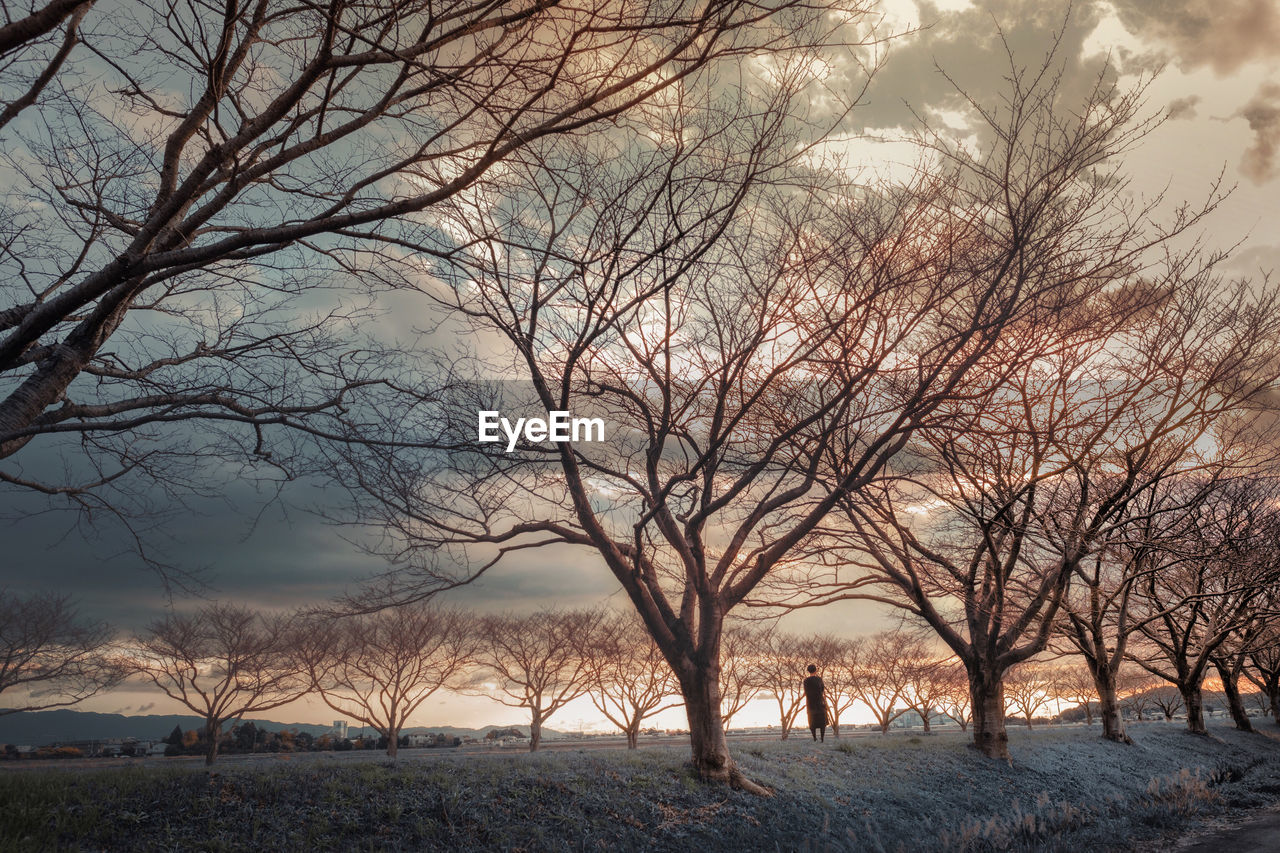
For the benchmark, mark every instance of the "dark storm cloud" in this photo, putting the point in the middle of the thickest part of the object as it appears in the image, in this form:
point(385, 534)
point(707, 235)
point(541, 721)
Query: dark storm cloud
point(273, 555)
point(237, 545)
point(1221, 34)
point(1263, 114)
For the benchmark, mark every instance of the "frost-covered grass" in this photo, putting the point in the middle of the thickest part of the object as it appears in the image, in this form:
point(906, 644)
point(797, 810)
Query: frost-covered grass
point(1066, 789)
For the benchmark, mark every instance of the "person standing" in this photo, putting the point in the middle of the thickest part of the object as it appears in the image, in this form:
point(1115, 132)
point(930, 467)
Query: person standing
point(816, 700)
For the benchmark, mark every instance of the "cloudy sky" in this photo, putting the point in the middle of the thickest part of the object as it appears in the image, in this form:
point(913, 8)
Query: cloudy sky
point(1219, 86)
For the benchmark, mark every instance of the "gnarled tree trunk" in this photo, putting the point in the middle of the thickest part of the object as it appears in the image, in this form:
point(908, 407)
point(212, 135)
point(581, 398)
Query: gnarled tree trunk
point(1194, 702)
point(535, 730)
point(700, 686)
point(212, 731)
point(393, 741)
point(989, 734)
point(1231, 687)
point(1108, 706)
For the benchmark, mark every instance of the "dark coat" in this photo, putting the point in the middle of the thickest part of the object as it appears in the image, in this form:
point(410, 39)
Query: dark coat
point(815, 698)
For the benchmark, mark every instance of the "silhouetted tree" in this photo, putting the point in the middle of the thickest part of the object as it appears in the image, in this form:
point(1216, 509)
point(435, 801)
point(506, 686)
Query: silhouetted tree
point(738, 679)
point(538, 662)
point(49, 655)
point(1264, 667)
point(838, 660)
point(200, 224)
point(885, 669)
point(1074, 683)
point(222, 661)
point(779, 671)
point(980, 522)
point(379, 668)
point(630, 681)
point(1028, 688)
point(1225, 571)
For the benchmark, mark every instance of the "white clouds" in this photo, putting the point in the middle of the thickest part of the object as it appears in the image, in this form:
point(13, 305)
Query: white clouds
point(1222, 34)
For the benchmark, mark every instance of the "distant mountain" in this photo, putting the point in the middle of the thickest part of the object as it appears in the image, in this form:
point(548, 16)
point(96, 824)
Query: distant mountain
point(37, 728)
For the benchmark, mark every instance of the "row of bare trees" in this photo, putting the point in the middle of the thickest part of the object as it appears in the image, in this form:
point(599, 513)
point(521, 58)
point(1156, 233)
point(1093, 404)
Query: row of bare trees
point(1000, 397)
point(893, 673)
point(225, 662)
point(1004, 394)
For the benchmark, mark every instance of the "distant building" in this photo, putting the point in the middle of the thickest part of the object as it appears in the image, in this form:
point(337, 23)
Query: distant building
point(910, 719)
point(339, 729)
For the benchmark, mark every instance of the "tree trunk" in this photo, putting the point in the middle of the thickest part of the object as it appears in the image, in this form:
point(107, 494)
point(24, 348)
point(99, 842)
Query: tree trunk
point(212, 731)
point(924, 718)
point(1194, 701)
point(700, 687)
point(633, 735)
point(393, 741)
point(1273, 697)
point(535, 732)
point(989, 734)
point(1231, 687)
point(1108, 707)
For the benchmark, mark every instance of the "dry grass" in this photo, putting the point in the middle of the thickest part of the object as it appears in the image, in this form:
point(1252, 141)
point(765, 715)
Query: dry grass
point(1066, 789)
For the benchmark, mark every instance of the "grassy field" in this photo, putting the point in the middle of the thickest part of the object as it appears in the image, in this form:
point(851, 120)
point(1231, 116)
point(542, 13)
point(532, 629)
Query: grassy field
point(1066, 789)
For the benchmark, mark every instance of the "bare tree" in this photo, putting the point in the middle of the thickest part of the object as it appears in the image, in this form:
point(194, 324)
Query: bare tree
point(737, 669)
point(49, 656)
point(929, 678)
point(1135, 686)
point(1225, 574)
point(780, 670)
point(379, 668)
point(1075, 684)
point(1028, 688)
point(1264, 668)
point(838, 660)
point(885, 672)
point(222, 661)
point(33, 49)
point(630, 681)
point(979, 525)
point(956, 700)
point(1169, 700)
point(1229, 662)
point(748, 331)
point(539, 662)
point(203, 222)
point(1203, 359)
point(1262, 702)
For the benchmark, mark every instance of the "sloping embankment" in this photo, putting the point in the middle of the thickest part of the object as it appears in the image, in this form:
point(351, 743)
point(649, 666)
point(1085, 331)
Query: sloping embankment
point(1066, 789)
